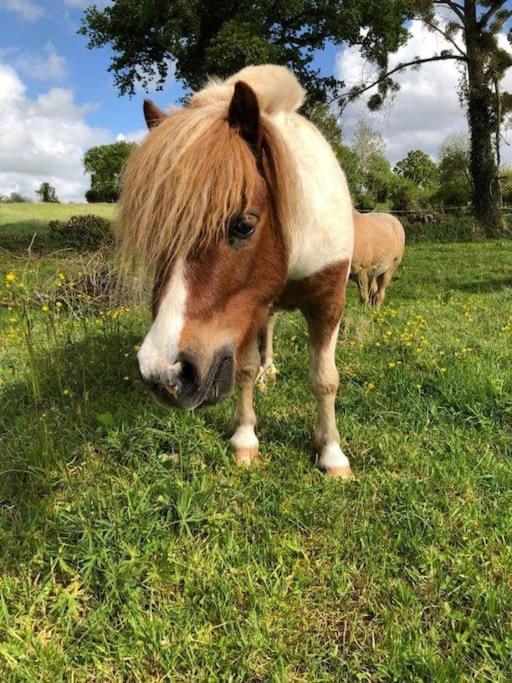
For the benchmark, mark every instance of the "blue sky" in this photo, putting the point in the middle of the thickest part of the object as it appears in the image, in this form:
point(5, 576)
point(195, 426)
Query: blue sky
point(57, 98)
point(86, 70)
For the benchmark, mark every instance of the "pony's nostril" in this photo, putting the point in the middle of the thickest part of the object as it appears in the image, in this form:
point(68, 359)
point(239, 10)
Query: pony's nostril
point(187, 374)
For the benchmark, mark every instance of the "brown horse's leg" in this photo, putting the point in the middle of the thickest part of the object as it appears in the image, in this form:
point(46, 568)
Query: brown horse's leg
point(363, 285)
point(267, 368)
point(374, 287)
point(244, 441)
point(382, 282)
point(324, 380)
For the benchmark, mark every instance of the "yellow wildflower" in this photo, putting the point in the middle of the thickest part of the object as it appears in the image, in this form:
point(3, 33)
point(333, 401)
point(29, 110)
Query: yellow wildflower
point(10, 277)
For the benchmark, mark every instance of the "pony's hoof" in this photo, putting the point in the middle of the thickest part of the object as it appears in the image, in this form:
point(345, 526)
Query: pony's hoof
point(246, 456)
point(271, 373)
point(339, 472)
point(267, 373)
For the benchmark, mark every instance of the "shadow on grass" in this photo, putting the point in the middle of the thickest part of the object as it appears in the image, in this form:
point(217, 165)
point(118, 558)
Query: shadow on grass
point(484, 286)
point(57, 412)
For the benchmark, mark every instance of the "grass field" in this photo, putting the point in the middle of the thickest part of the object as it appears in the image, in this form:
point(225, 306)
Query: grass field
point(132, 549)
point(18, 221)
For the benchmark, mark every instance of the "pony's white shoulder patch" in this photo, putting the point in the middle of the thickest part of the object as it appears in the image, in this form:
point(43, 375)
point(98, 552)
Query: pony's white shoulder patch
point(276, 88)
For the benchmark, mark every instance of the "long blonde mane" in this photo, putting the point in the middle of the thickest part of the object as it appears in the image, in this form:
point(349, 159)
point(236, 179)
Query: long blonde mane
point(189, 176)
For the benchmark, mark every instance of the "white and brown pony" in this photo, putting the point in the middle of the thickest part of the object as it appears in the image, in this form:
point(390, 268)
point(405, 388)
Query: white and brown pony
point(379, 243)
point(233, 205)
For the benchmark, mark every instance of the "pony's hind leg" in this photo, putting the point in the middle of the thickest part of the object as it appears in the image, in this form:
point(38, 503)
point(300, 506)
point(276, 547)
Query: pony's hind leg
point(266, 346)
point(382, 282)
point(324, 380)
point(363, 286)
point(244, 442)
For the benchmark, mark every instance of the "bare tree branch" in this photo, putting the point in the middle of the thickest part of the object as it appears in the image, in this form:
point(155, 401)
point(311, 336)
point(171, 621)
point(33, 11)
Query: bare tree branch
point(437, 28)
point(484, 19)
point(400, 67)
point(455, 7)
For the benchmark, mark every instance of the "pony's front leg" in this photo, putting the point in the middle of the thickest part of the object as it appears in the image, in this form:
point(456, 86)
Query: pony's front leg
point(266, 347)
point(324, 379)
point(244, 442)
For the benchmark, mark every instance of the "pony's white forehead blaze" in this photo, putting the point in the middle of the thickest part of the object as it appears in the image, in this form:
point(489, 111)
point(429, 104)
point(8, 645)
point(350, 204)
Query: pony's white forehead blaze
point(161, 344)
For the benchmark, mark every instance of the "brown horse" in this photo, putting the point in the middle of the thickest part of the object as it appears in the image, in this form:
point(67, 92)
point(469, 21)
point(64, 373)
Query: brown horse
point(379, 242)
point(231, 206)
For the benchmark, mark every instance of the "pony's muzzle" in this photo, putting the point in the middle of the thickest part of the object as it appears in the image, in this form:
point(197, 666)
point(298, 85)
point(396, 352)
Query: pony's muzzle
point(183, 385)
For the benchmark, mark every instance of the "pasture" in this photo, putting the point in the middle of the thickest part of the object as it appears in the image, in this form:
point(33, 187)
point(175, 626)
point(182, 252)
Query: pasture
point(131, 548)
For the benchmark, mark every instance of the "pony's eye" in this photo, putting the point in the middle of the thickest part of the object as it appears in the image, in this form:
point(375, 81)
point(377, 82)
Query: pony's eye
point(242, 226)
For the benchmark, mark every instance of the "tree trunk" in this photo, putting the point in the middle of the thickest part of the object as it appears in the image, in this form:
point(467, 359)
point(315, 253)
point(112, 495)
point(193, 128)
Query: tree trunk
point(484, 171)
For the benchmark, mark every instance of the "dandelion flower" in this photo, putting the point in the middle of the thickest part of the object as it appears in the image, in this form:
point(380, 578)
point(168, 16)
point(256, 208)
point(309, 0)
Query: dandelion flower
point(10, 277)
point(370, 386)
point(45, 309)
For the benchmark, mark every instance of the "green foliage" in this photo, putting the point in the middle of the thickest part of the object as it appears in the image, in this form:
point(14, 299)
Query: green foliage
point(506, 186)
point(105, 164)
point(85, 231)
point(418, 167)
point(133, 549)
point(379, 177)
point(441, 227)
point(374, 173)
point(367, 144)
point(329, 126)
point(211, 38)
point(364, 202)
point(454, 171)
point(47, 194)
point(405, 195)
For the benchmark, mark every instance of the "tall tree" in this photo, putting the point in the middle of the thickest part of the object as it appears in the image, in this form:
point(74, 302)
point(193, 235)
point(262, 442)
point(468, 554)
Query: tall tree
point(367, 143)
point(47, 193)
point(105, 164)
point(418, 167)
point(202, 38)
point(472, 32)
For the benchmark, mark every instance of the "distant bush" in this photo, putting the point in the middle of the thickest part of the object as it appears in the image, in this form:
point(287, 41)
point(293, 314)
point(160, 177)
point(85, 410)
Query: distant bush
point(454, 192)
point(405, 195)
point(441, 227)
point(364, 202)
point(88, 232)
point(94, 196)
point(14, 198)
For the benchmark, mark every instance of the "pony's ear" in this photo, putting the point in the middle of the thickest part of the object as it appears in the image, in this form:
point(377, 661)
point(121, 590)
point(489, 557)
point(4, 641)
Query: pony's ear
point(244, 114)
point(153, 114)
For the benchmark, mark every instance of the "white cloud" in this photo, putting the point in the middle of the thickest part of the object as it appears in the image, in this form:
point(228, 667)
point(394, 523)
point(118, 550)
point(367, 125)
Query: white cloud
point(43, 139)
point(425, 110)
point(50, 66)
point(29, 10)
point(132, 136)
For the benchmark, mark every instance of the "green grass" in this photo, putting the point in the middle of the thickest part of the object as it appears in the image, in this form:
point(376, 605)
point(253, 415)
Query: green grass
point(120, 561)
point(20, 222)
